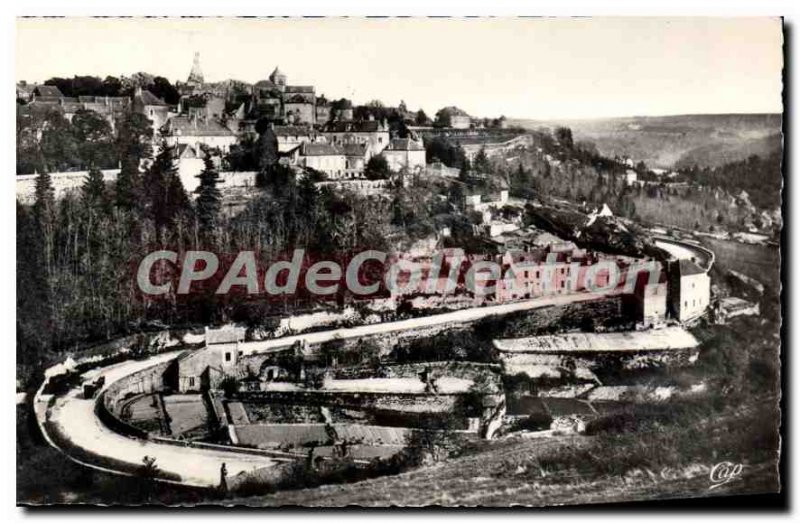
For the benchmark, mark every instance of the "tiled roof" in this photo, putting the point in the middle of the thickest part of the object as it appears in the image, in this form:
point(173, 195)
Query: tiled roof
point(299, 88)
point(54, 100)
point(224, 335)
point(297, 99)
point(48, 90)
point(454, 111)
point(148, 98)
point(404, 144)
point(186, 151)
point(353, 126)
point(265, 84)
point(319, 149)
point(354, 149)
point(294, 130)
point(186, 125)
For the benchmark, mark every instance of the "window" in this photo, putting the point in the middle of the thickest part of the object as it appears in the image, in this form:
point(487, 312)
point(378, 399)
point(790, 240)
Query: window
point(191, 382)
point(227, 356)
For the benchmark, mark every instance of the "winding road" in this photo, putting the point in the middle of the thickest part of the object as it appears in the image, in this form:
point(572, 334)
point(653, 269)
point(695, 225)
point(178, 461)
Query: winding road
point(75, 419)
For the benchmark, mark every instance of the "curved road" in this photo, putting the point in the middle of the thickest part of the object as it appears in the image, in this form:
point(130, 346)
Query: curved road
point(683, 250)
point(75, 419)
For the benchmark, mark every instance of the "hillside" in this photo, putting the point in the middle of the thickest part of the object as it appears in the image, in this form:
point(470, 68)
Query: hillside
point(677, 141)
point(563, 470)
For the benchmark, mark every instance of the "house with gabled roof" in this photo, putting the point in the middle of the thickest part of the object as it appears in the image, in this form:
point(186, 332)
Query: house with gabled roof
point(198, 131)
point(324, 157)
point(153, 107)
point(405, 153)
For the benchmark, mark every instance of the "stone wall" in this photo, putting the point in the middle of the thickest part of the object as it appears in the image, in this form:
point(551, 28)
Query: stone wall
point(401, 402)
point(146, 381)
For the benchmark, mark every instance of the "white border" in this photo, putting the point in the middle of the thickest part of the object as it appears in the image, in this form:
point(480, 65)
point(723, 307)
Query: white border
point(786, 8)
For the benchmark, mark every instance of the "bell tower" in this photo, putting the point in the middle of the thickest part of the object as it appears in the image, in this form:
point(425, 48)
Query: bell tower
point(196, 75)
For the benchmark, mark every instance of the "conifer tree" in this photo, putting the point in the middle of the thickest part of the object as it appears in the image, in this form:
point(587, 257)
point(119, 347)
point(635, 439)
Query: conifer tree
point(209, 200)
point(94, 188)
point(165, 196)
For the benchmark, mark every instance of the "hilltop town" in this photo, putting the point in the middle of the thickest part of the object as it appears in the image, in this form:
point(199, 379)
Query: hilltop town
point(606, 319)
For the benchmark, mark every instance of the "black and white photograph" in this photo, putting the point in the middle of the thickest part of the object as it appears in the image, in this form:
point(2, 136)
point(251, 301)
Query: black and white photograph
point(399, 261)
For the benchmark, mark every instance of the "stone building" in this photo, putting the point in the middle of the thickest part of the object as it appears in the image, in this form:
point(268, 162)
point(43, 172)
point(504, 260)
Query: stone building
point(198, 131)
point(323, 157)
point(299, 104)
point(290, 137)
point(205, 368)
point(356, 159)
point(405, 153)
point(49, 96)
point(453, 117)
point(153, 107)
point(322, 111)
point(650, 300)
point(275, 100)
point(373, 134)
point(689, 290)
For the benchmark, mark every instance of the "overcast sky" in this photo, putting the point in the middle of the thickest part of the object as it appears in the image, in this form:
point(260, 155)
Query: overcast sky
point(523, 68)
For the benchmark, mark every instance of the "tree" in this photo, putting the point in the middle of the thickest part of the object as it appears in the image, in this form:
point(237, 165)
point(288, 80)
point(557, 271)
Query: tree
point(112, 86)
point(422, 118)
point(377, 168)
point(564, 137)
point(93, 136)
point(57, 144)
point(209, 200)
point(94, 188)
point(44, 205)
point(481, 164)
point(134, 134)
point(165, 196)
point(162, 88)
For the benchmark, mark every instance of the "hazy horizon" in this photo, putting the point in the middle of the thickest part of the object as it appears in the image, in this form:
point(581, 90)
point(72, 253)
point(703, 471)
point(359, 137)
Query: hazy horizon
point(541, 69)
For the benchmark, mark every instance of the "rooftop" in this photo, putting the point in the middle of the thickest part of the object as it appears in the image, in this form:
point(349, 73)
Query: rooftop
point(354, 149)
point(299, 88)
point(354, 126)
point(669, 338)
point(197, 127)
point(228, 335)
point(319, 149)
point(147, 98)
point(294, 130)
point(404, 144)
point(48, 90)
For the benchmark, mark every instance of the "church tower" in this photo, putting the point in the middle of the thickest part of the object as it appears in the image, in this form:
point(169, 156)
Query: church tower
point(278, 78)
point(196, 76)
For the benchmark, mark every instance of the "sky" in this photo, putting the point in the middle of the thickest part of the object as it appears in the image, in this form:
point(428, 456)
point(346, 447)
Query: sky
point(537, 68)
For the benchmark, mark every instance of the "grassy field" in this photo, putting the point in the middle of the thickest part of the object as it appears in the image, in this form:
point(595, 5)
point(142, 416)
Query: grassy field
point(757, 261)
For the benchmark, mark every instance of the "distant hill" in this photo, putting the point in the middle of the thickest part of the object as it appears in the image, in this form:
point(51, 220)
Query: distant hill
point(677, 141)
